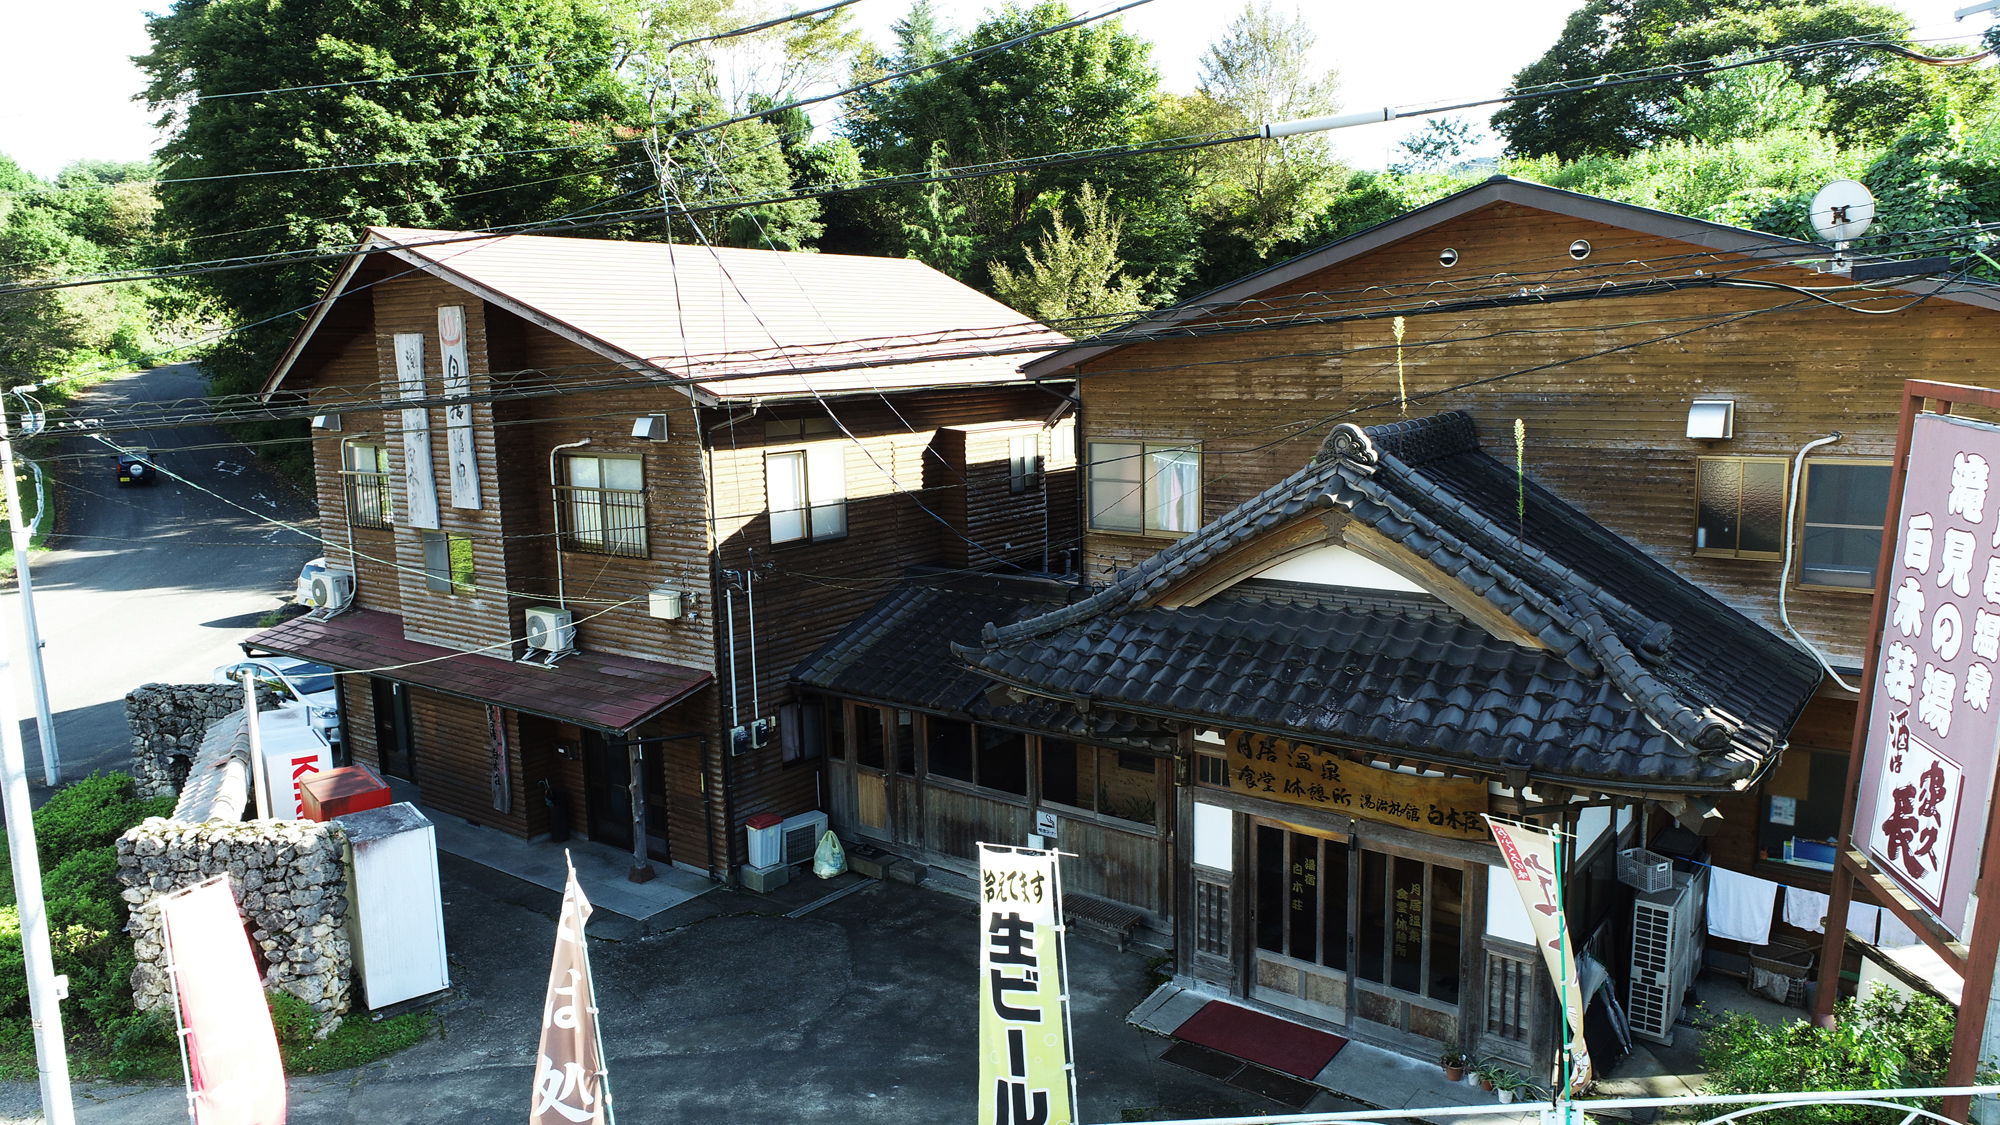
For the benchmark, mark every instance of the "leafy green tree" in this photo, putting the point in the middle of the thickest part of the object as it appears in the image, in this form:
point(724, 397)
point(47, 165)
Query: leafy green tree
point(1442, 139)
point(1746, 103)
point(527, 125)
point(1074, 274)
point(936, 230)
point(1869, 95)
point(1082, 88)
point(96, 216)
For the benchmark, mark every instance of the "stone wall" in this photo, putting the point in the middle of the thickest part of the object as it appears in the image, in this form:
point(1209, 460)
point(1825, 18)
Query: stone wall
point(168, 721)
point(290, 888)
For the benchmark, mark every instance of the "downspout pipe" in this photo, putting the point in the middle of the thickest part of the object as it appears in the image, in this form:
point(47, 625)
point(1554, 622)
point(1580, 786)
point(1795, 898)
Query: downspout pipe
point(1785, 572)
point(555, 508)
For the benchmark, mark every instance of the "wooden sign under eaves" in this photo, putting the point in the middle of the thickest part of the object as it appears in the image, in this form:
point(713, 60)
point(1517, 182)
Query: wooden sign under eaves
point(1300, 773)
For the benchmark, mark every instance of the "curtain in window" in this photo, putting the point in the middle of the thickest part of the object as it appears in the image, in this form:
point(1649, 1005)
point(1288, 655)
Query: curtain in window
point(586, 519)
point(1176, 492)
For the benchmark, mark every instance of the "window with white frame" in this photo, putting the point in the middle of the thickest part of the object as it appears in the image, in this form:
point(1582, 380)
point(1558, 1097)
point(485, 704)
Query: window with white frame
point(806, 492)
point(1024, 462)
point(603, 505)
point(1145, 487)
point(365, 477)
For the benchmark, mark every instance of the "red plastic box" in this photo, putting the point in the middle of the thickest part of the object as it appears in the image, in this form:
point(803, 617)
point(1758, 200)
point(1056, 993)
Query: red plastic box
point(342, 791)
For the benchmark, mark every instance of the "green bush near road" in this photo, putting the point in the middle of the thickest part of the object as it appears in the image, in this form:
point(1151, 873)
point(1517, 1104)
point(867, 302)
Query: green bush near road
point(1883, 1041)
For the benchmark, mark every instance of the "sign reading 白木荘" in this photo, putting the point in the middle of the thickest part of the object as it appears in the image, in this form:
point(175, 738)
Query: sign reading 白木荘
point(1301, 774)
point(1024, 1063)
point(1928, 763)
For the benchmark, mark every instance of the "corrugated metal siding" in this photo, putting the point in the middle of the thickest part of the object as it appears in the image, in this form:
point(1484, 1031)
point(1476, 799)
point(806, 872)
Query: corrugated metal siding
point(1606, 433)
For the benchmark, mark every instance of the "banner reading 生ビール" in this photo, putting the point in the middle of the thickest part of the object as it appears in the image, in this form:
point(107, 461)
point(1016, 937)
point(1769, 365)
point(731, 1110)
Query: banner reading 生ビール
point(1024, 1061)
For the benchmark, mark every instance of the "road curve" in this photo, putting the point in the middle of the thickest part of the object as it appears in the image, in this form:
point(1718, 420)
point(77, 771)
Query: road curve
point(151, 584)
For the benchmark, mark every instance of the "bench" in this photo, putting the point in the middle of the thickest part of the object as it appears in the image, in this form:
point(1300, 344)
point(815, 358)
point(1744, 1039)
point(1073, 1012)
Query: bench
point(1100, 919)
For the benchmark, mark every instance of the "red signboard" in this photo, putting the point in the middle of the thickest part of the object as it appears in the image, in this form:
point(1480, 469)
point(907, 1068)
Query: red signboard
point(235, 1076)
point(1920, 812)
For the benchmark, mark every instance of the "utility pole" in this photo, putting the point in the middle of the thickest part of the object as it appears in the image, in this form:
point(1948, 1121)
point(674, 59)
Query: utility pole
point(45, 725)
point(45, 989)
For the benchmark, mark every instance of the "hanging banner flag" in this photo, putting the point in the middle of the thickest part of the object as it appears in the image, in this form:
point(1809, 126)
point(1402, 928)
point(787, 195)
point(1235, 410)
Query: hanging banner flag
point(1025, 1075)
point(458, 434)
point(1531, 859)
point(234, 1073)
point(419, 477)
point(571, 1084)
point(1927, 765)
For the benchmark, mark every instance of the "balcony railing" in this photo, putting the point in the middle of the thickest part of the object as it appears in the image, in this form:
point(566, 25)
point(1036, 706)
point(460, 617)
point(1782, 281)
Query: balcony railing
point(368, 502)
point(602, 521)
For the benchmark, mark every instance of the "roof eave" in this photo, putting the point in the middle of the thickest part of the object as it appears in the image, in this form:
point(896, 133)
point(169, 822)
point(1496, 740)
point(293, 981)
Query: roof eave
point(1499, 189)
point(305, 333)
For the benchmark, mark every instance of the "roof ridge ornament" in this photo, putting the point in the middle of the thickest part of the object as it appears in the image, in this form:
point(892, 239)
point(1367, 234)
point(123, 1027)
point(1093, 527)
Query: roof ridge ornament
point(1350, 442)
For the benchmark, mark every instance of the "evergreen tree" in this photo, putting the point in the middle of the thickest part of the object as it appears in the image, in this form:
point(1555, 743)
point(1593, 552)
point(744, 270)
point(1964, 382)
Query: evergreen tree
point(1074, 275)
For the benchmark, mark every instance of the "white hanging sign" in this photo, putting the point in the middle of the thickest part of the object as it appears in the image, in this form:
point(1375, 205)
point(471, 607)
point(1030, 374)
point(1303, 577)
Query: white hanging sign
point(458, 433)
point(418, 475)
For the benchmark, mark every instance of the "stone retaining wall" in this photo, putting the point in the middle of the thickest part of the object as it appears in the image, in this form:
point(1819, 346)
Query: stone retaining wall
point(168, 721)
point(290, 888)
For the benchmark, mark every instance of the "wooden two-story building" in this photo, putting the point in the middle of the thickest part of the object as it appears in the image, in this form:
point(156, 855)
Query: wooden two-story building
point(588, 502)
point(1547, 399)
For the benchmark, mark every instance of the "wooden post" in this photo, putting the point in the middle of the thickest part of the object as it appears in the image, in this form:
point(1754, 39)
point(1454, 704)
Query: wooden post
point(1974, 960)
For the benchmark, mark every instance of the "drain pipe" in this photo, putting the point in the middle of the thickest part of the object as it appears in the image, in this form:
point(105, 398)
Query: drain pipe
point(555, 506)
point(729, 608)
point(1785, 573)
point(750, 592)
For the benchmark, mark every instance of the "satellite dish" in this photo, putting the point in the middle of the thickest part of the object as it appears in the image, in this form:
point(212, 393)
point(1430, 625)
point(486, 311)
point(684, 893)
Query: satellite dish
point(1843, 211)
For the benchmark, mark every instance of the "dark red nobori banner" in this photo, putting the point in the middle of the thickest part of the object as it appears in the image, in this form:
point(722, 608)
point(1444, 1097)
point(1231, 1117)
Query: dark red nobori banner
point(1920, 811)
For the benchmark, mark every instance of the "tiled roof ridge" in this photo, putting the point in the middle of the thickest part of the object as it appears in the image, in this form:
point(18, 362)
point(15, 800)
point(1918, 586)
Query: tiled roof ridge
point(1418, 441)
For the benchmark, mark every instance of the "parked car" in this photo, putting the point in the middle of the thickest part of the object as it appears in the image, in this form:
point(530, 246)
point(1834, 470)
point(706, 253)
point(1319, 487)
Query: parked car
point(293, 680)
point(135, 467)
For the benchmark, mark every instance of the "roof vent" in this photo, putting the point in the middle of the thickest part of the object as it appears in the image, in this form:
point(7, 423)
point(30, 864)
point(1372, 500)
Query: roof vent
point(1712, 419)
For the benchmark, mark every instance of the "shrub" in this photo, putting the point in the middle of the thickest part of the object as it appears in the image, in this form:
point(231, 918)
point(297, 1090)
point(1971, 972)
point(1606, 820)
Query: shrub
point(1881, 1042)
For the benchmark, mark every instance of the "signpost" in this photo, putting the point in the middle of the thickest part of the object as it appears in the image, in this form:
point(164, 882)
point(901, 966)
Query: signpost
point(1915, 827)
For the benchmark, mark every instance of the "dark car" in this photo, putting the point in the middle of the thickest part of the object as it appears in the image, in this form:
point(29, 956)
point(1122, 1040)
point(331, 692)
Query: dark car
point(134, 468)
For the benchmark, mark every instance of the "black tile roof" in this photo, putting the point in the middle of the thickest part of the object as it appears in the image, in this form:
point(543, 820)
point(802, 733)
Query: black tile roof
point(1646, 679)
point(900, 653)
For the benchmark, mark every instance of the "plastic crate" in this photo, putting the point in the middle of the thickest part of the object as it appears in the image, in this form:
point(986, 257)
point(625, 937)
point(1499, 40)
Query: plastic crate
point(1645, 871)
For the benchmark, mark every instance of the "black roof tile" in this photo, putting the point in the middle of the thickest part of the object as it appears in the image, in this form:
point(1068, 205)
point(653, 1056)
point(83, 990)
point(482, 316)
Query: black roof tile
point(1646, 678)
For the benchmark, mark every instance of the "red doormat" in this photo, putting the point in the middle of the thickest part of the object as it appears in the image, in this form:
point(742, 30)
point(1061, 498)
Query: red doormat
point(1264, 1040)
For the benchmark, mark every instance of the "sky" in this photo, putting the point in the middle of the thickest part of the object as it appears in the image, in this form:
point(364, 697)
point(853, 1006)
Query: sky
point(67, 81)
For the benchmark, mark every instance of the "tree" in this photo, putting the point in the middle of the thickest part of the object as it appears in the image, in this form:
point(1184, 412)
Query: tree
point(1075, 274)
point(1869, 95)
point(1082, 88)
point(1750, 102)
point(936, 230)
point(1442, 139)
point(528, 124)
point(96, 216)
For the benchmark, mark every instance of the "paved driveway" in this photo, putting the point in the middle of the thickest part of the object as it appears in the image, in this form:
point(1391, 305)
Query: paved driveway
point(722, 1009)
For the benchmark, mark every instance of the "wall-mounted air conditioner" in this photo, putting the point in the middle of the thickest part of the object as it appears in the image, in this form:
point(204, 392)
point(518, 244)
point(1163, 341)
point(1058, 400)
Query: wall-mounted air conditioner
point(802, 833)
point(332, 589)
point(550, 629)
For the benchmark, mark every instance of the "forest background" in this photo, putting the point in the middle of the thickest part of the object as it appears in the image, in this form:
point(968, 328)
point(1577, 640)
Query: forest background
point(293, 127)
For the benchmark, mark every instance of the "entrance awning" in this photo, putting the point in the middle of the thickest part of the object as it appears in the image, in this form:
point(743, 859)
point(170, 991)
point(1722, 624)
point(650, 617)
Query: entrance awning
point(591, 689)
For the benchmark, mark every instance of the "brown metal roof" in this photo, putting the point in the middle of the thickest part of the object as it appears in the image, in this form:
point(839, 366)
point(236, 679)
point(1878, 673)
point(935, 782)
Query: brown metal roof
point(590, 689)
point(824, 323)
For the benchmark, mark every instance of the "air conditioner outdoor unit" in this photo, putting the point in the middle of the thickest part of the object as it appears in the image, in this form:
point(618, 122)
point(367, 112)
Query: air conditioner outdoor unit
point(332, 589)
point(802, 833)
point(1668, 928)
point(550, 629)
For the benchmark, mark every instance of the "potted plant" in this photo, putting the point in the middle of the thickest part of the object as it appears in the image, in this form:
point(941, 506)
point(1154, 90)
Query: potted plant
point(1453, 1060)
point(1506, 1082)
point(1485, 1072)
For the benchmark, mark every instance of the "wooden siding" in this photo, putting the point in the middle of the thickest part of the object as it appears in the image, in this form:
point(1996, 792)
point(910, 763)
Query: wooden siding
point(1604, 431)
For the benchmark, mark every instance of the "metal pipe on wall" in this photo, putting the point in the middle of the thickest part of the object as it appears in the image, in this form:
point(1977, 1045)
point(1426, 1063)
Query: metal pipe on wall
point(555, 506)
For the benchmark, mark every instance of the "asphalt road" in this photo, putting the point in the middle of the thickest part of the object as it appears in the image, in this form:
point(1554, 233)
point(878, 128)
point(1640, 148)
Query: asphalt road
point(150, 584)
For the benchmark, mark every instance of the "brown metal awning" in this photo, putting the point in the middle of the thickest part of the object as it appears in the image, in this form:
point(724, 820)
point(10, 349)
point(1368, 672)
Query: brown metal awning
point(591, 689)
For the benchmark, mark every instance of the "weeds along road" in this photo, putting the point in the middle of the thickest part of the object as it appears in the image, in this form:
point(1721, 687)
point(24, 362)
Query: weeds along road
point(148, 584)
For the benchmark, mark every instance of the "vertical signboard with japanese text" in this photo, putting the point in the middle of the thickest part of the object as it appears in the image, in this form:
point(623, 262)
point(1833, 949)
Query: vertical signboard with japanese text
point(1920, 812)
point(458, 434)
point(419, 481)
point(1024, 1061)
point(1531, 860)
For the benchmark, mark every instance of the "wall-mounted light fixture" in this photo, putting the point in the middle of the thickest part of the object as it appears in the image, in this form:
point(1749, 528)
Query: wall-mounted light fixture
point(328, 422)
point(651, 427)
point(1712, 419)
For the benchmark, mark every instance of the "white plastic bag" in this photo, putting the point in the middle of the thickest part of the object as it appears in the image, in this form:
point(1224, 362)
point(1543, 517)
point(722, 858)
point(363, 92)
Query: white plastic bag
point(829, 859)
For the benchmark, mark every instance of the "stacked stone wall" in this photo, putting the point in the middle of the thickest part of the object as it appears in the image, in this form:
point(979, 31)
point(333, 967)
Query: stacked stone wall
point(168, 721)
point(290, 888)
